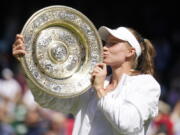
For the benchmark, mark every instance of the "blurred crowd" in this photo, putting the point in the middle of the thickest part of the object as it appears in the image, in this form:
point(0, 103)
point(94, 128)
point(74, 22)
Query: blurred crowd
point(20, 115)
point(167, 122)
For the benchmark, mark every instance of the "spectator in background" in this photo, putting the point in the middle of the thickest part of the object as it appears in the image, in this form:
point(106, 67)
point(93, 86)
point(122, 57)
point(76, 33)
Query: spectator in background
point(10, 90)
point(162, 63)
point(69, 124)
point(28, 99)
point(21, 79)
point(35, 124)
point(175, 117)
point(174, 93)
point(5, 128)
point(163, 56)
point(58, 124)
point(162, 124)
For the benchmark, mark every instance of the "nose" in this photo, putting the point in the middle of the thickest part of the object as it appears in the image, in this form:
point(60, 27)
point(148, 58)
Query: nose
point(105, 48)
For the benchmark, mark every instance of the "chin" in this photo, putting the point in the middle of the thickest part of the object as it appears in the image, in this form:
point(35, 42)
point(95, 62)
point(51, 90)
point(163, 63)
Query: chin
point(106, 62)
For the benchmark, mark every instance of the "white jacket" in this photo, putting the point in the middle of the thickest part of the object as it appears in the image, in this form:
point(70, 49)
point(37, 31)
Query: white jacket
point(127, 110)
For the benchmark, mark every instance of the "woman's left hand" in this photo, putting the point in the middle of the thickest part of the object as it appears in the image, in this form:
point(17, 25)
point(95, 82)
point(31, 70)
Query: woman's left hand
point(98, 77)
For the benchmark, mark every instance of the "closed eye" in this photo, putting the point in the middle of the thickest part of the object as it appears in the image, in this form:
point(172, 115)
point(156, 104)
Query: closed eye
point(111, 43)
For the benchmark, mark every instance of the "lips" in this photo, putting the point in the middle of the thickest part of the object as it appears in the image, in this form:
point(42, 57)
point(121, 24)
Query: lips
point(105, 54)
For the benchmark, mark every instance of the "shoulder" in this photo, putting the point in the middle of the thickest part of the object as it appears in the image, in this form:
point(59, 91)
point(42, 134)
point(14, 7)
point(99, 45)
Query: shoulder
point(144, 80)
point(145, 84)
point(144, 93)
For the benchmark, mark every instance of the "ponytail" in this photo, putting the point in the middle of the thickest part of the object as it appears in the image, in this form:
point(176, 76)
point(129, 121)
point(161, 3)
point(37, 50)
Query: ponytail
point(145, 62)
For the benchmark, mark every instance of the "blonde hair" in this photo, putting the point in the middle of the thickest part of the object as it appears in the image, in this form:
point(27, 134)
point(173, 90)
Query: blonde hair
point(145, 63)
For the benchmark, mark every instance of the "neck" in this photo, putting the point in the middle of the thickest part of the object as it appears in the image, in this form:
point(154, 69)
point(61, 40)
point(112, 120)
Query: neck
point(117, 72)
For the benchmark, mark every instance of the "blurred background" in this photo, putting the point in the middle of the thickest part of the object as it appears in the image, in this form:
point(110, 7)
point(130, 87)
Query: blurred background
point(20, 115)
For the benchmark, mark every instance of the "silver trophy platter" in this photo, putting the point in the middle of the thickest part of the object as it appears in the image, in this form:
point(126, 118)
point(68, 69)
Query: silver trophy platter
point(62, 46)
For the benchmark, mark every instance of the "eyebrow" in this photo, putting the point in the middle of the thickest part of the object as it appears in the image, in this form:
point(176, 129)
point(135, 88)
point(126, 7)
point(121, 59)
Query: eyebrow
point(115, 41)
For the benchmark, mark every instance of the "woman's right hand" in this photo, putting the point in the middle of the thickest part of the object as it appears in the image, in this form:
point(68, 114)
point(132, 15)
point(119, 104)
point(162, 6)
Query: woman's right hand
point(18, 46)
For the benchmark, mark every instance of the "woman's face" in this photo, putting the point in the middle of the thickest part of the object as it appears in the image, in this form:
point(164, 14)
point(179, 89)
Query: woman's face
point(115, 51)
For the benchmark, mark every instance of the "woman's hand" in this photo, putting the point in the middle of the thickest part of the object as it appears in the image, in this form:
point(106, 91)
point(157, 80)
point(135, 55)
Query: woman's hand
point(98, 77)
point(18, 47)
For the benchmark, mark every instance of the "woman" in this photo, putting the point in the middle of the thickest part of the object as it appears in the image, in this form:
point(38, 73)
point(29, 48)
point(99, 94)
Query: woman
point(122, 103)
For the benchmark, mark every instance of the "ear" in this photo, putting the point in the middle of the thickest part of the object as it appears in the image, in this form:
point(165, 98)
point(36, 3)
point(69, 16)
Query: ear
point(131, 52)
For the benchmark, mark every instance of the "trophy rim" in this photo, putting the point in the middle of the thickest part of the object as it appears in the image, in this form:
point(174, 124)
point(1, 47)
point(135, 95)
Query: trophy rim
point(22, 59)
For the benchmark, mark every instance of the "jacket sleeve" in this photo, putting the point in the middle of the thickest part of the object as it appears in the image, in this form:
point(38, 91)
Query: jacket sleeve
point(128, 115)
point(69, 105)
